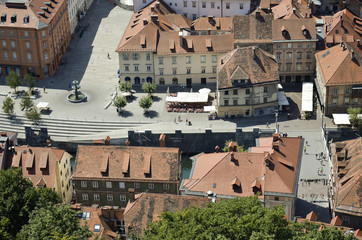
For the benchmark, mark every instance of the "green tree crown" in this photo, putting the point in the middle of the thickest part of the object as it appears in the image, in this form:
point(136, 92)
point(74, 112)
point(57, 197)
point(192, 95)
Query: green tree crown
point(149, 88)
point(29, 81)
point(33, 115)
point(26, 102)
point(145, 102)
point(125, 86)
point(8, 106)
point(13, 80)
point(120, 102)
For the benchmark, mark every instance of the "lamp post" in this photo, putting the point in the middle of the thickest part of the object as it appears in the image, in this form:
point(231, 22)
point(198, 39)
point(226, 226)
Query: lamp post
point(276, 121)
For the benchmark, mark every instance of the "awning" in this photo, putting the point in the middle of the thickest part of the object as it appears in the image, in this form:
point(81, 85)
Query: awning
point(189, 97)
point(341, 119)
point(280, 86)
point(204, 90)
point(209, 109)
point(282, 99)
point(42, 105)
point(307, 97)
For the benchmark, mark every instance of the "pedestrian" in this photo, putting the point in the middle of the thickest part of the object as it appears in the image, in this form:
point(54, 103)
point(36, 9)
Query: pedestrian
point(175, 120)
point(306, 143)
point(316, 156)
point(179, 118)
point(305, 149)
point(187, 121)
point(108, 56)
point(44, 88)
point(267, 124)
point(321, 170)
point(286, 134)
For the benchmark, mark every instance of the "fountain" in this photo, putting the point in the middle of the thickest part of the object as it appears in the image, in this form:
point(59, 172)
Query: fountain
point(77, 95)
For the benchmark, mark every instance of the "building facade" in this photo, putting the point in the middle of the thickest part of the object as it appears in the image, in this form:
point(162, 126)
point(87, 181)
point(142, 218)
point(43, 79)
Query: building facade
point(77, 9)
point(197, 8)
point(294, 45)
point(45, 167)
point(247, 83)
point(34, 37)
point(111, 175)
point(345, 182)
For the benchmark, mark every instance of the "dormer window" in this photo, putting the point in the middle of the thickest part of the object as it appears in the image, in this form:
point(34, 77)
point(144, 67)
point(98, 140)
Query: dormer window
point(26, 19)
point(3, 17)
point(285, 32)
point(13, 18)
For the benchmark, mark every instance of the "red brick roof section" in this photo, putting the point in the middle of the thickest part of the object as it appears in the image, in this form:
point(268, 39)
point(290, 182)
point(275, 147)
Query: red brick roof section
point(164, 163)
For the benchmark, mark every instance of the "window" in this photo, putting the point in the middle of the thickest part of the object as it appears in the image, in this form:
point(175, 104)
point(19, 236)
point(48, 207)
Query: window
point(46, 56)
point(109, 197)
point(136, 68)
point(247, 102)
point(203, 4)
point(188, 59)
point(148, 57)
point(85, 196)
point(308, 55)
point(11, 33)
point(279, 46)
point(174, 81)
point(161, 71)
point(235, 92)
point(174, 60)
point(355, 100)
point(290, 45)
point(148, 68)
point(151, 186)
point(309, 45)
point(193, 16)
point(334, 101)
point(226, 102)
point(289, 67)
point(346, 220)
point(299, 67)
point(43, 33)
point(235, 102)
point(96, 197)
point(203, 69)
point(265, 99)
point(193, 4)
point(174, 71)
point(4, 43)
point(122, 185)
point(300, 45)
point(170, 4)
point(108, 184)
point(241, 6)
point(123, 197)
point(299, 55)
point(337, 31)
point(214, 69)
point(214, 58)
point(83, 183)
point(278, 54)
point(347, 90)
point(2, 33)
point(166, 186)
point(346, 101)
point(97, 228)
point(289, 55)
point(226, 93)
point(14, 55)
point(185, 15)
point(227, 5)
point(307, 66)
point(247, 91)
point(125, 56)
point(160, 60)
point(26, 34)
point(45, 45)
point(276, 198)
point(265, 89)
point(144, 1)
point(188, 70)
point(126, 68)
point(137, 185)
point(335, 90)
point(136, 56)
point(12, 44)
point(6, 54)
point(95, 184)
point(212, 4)
point(185, 3)
point(203, 59)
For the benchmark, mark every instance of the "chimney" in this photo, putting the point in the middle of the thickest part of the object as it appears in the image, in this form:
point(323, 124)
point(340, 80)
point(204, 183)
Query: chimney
point(341, 43)
point(306, 14)
point(345, 154)
point(222, 61)
point(232, 156)
point(127, 143)
point(358, 40)
point(131, 194)
point(276, 146)
point(181, 38)
point(254, 51)
point(107, 141)
point(208, 31)
point(275, 137)
point(158, 5)
point(162, 140)
point(217, 149)
point(152, 8)
point(257, 13)
point(294, 9)
point(341, 19)
point(154, 17)
point(145, 21)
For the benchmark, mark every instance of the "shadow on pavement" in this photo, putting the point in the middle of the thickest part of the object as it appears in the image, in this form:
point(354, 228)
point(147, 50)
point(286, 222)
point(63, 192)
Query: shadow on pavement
point(151, 114)
point(302, 208)
point(126, 114)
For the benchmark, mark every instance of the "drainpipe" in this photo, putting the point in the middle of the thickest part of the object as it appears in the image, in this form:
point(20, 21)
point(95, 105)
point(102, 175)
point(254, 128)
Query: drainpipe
point(221, 8)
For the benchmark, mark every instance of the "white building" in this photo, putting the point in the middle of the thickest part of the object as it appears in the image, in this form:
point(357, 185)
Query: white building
point(77, 9)
point(196, 8)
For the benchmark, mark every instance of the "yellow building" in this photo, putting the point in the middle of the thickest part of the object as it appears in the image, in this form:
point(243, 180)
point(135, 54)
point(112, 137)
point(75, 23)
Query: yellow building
point(247, 83)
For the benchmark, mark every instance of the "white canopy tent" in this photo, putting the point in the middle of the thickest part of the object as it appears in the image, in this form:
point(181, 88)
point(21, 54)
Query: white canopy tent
point(307, 97)
point(209, 109)
point(282, 99)
point(43, 106)
point(189, 97)
point(341, 119)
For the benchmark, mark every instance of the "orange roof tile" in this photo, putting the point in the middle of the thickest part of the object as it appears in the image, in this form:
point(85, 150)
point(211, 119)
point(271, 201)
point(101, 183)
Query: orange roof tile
point(212, 23)
point(294, 29)
point(288, 9)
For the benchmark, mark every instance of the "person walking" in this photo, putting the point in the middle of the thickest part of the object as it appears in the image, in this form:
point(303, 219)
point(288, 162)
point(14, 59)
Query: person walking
point(108, 56)
point(305, 149)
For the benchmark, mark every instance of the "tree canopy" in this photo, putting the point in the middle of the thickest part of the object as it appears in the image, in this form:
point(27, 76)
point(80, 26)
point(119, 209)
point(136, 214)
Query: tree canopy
point(239, 218)
point(29, 81)
point(33, 115)
point(8, 106)
point(13, 80)
point(149, 88)
point(238, 149)
point(120, 102)
point(353, 117)
point(26, 102)
point(145, 102)
point(125, 86)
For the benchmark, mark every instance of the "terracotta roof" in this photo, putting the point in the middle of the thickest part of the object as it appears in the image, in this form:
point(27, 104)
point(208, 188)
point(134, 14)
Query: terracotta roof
point(311, 216)
point(148, 206)
point(179, 20)
point(169, 43)
point(289, 9)
point(294, 29)
point(31, 160)
point(127, 163)
point(337, 68)
point(219, 172)
point(248, 63)
point(250, 28)
point(347, 197)
point(212, 23)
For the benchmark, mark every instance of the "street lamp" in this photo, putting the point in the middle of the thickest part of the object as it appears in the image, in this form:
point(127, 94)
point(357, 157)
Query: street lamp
point(276, 121)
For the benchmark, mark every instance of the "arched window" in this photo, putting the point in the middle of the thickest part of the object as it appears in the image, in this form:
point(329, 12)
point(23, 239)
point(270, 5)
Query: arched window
point(174, 81)
point(162, 81)
point(127, 79)
point(149, 79)
point(137, 80)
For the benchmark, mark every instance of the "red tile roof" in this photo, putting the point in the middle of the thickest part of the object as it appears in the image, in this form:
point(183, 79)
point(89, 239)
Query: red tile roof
point(212, 23)
point(288, 9)
point(127, 163)
point(295, 29)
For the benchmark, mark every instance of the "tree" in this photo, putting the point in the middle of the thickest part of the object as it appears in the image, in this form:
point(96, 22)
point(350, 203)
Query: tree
point(120, 102)
point(26, 102)
point(8, 106)
point(29, 81)
point(238, 149)
point(145, 103)
point(125, 86)
point(18, 198)
point(54, 222)
point(353, 118)
point(13, 80)
point(33, 115)
point(149, 88)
